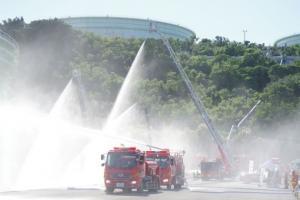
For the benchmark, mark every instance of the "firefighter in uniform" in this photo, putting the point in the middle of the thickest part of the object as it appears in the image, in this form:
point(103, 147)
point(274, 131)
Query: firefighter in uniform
point(294, 180)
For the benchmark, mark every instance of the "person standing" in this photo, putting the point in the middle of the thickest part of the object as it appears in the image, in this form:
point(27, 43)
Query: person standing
point(294, 180)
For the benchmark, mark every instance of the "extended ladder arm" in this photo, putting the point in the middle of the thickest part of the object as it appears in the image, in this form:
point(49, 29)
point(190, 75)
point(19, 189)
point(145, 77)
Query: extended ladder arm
point(234, 128)
point(198, 103)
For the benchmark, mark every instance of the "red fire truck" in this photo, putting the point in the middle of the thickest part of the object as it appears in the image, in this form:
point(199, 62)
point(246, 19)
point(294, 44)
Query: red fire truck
point(179, 178)
point(171, 167)
point(126, 169)
point(212, 169)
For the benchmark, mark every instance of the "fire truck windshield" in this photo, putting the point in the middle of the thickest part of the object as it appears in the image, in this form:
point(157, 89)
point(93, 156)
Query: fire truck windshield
point(163, 162)
point(151, 158)
point(121, 160)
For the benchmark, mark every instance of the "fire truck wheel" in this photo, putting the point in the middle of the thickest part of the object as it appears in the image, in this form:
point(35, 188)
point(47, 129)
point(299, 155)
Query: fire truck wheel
point(139, 189)
point(109, 190)
point(127, 190)
point(178, 186)
point(169, 186)
point(153, 190)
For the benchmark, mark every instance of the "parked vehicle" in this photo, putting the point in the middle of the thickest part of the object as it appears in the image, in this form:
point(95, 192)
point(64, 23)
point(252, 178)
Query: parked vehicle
point(126, 169)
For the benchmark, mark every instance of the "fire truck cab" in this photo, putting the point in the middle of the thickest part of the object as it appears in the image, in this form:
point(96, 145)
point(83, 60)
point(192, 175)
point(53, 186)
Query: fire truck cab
point(171, 168)
point(126, 169)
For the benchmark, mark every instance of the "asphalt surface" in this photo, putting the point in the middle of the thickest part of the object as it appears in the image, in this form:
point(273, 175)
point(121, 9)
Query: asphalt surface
point(196, 190)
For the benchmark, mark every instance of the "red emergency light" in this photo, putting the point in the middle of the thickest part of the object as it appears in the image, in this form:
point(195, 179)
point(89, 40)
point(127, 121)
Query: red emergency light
point(125, 149)
point(150, 153)
point(164, 153)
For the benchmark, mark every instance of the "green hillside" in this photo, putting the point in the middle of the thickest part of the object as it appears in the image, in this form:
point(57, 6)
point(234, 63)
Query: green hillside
point(229, 76)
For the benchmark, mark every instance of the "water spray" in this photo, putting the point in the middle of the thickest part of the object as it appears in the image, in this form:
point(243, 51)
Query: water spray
point(76, 76)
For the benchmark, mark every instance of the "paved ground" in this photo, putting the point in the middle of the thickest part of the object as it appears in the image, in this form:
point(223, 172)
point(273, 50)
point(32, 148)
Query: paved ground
point(196, 190)
point(232, 187)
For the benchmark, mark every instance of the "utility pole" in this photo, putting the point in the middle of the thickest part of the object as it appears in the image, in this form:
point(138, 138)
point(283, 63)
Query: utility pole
point(245, 31)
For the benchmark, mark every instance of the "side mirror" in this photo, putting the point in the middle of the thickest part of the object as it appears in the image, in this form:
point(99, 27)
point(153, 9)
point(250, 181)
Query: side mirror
point(102, 157)
point(142, 159)
point(172, 161)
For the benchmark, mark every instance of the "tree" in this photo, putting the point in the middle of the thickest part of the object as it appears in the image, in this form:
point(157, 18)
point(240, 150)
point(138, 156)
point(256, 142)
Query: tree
point(14, 27)
point(277, 72)
point(255, 77)
point(281, 100)
point(225, 76)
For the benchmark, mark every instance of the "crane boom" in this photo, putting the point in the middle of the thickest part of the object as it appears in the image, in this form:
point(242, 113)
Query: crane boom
point(234, 128)
point(249, 113)
point(198, 102)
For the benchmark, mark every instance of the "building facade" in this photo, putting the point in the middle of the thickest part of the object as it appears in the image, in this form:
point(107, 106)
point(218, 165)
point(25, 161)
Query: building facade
point(128, 27)
point(9, 50)
point(288, 41)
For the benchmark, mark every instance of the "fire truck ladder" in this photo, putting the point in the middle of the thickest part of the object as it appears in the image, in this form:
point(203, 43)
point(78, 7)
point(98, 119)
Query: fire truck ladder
point(197, 101)
point(234, 127)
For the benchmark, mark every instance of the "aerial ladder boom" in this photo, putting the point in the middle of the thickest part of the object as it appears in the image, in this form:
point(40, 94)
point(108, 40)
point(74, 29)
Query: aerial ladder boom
point(197, 101)
point(234, 128)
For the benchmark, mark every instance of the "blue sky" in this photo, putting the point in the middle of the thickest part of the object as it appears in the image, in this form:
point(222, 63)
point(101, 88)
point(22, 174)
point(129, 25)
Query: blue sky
point(265, 20)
